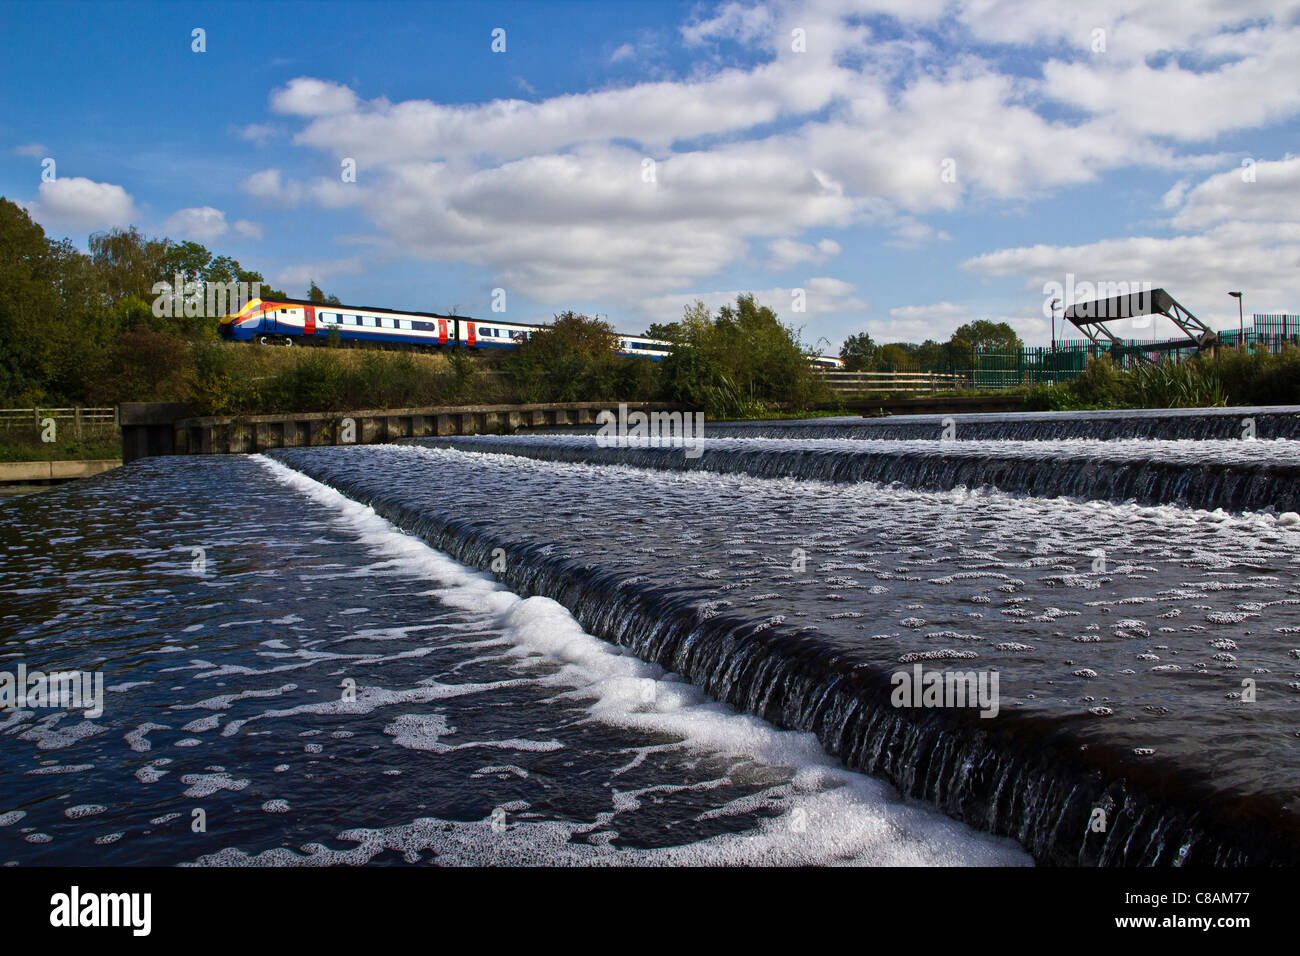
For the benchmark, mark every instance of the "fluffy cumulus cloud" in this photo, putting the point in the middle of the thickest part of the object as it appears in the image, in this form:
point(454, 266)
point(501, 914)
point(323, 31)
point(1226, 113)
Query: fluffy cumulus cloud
point(74, 204)
point(301, 276)
point(200, 224)
point(803, 118)
point(784, 253)
point(249, 229)
point(1198, 269)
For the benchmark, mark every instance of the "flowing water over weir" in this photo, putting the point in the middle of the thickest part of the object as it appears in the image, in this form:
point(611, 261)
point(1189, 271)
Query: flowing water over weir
point(1232, 475)
point(484, 728)
point(1276, 421)
point(1123, 636)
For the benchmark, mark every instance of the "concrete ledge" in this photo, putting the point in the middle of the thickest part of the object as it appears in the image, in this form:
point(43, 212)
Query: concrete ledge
point(11, 471)
point(172, 429)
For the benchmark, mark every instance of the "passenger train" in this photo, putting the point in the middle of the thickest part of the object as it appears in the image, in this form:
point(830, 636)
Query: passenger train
point(289, 321)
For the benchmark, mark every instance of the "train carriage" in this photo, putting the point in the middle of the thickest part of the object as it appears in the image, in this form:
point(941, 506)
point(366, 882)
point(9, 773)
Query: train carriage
point(290, 321)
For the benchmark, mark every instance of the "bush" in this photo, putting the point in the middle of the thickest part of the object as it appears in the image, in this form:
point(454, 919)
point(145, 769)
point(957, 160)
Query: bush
point(690, 379)
point(1099, 385)
point(145, 366)
point(576, 360)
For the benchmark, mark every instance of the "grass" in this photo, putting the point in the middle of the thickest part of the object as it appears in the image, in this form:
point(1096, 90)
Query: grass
point(24, 444)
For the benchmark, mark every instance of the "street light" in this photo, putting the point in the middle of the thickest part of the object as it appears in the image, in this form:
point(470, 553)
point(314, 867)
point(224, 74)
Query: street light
point(1055, 303)
point(1241, 320)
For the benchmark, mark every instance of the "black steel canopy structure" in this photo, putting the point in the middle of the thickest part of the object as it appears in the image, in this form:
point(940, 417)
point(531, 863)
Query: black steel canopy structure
point(1091, 317)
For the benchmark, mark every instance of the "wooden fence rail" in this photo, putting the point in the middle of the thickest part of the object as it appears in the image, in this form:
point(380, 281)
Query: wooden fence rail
point(854, 382)
point(79, 416)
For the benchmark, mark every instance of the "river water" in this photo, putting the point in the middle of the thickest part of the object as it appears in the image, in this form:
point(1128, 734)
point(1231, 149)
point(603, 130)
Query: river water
point(538, 650)
point(484, 727)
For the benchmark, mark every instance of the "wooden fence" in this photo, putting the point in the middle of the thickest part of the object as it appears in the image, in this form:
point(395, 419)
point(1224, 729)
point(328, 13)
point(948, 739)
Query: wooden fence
point(80, 418)
point(856, 383)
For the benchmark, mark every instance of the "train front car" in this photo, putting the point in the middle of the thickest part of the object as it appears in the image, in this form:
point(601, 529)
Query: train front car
point(269, 323)
point(244, 325)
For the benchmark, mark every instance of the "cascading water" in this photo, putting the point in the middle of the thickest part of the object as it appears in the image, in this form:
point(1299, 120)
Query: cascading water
point(687, 571)
point(1169, 424)
point(1234, 476)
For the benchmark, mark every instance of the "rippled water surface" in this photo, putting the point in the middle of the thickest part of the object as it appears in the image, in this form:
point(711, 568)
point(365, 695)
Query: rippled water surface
point(483, 727)
point(1131, 628)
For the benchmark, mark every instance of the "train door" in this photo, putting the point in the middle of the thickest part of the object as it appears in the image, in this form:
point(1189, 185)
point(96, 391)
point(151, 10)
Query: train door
point(470, 333)
point(309, 323)
point(442, 331)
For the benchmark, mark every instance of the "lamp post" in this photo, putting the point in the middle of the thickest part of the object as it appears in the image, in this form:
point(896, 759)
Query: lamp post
point(1241, 320)
point(1055, 303)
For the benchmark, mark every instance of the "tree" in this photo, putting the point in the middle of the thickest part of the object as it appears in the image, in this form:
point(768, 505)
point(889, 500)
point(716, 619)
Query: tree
point(314, 294)
point(576, 359)
point(897, 357)
point(983, 334)
point(29, 301)
point(753, 351)
point(858, 352)
point(667, 332)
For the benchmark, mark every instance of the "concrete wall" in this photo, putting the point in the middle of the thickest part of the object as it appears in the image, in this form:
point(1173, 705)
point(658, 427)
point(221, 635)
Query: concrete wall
point(55, 470)
point(170, 430)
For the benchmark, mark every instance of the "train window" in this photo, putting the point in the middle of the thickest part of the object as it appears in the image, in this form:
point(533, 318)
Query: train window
point(386, 323)
point(368, 320)
point(404, 324)
point(349, 320)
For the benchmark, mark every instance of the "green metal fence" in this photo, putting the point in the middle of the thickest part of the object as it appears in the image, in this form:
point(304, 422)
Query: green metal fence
point(997, 369)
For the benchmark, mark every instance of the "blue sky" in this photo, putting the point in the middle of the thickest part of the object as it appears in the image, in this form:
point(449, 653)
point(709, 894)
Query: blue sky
point(908, 165)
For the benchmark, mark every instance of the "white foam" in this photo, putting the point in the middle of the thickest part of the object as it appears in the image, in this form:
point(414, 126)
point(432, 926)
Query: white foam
point(832, 814)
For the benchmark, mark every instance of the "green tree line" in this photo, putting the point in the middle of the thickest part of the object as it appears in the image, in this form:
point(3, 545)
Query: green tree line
point(861, 354)
point(81, 328)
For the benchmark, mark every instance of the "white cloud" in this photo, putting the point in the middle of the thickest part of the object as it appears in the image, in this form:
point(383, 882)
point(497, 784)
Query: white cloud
point(866, 128)
point(740, 22)
point(258, 133)
point(72, 203)
point(1262, 192)
point(940, 311)
point(249, 229)
point(301, 276)
point(200, 224)
point(784, 253)
point(1263, 259)
point(307, 96)
point(272, 185)
point(34, 150)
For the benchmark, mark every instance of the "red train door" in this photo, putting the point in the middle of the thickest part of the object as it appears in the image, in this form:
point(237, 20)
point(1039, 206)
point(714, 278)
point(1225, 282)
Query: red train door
point(442, 331)
point(470, 326)
point(309, 325)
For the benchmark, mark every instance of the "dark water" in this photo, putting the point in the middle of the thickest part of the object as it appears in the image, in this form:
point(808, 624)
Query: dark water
point(485, 728)
point(1121, 633)
point(1267, 422)
point(662, 660)
point(1273, 421)
point(1260, 475)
